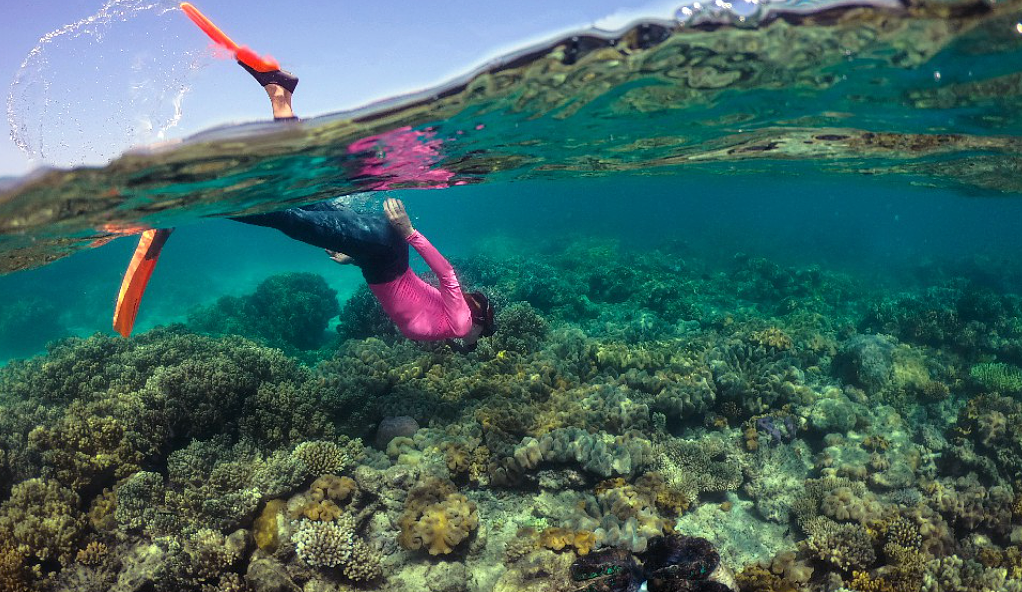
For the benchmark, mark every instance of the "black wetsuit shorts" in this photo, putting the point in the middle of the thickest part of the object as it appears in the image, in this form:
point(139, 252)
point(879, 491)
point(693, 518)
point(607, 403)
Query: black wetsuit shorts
point(369, 239)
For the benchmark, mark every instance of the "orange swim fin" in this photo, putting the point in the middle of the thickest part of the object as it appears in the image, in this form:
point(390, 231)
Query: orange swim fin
point(143, 262)
point(241, 53)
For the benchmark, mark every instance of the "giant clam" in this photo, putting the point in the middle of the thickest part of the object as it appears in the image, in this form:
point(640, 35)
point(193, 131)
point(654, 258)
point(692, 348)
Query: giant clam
point(672, 563)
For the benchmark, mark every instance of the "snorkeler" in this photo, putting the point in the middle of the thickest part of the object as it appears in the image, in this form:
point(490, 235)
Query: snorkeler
point(379, 247)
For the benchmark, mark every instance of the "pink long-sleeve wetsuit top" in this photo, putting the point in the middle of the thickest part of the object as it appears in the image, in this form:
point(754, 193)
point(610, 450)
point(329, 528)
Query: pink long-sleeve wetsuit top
point(418, 309)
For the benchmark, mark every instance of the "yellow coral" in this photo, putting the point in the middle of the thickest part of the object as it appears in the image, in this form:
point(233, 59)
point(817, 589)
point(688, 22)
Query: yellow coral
point(557, 539)
point(756, 578)
point(439, 527)
point(93, 554)
point(772, 337)
point(14, 575)
point(323, 510)
point(265, 529)
point(101, 511)
point(457, 456)
point(332, 487)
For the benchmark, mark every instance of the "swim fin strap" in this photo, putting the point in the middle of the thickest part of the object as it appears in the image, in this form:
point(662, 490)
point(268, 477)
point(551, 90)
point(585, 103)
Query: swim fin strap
point(136, 278)
point(241, 52)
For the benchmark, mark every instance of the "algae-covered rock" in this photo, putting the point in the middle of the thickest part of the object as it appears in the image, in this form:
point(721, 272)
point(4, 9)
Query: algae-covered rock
point(867, 361)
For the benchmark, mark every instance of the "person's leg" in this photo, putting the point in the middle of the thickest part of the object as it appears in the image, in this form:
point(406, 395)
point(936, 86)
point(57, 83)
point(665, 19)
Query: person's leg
point(280, 87)
point(368, 240)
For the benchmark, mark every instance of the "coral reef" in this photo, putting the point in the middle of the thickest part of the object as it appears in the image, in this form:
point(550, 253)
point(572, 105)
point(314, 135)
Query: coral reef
point(819, 434)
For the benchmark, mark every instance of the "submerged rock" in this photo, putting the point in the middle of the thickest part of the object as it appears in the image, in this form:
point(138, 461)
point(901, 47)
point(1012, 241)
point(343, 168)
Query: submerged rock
point(868, 361)
point(267, 575)
point(401, 426)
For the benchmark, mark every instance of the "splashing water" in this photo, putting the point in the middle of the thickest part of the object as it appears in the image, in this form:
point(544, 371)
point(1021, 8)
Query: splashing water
point(95, 87)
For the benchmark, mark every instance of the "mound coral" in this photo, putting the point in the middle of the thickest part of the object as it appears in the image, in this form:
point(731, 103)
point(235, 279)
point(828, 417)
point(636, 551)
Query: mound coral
point(289, 310)
point(753, 377)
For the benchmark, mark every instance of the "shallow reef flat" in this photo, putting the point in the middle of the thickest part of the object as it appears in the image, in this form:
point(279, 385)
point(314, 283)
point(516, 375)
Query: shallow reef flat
point(824, 432)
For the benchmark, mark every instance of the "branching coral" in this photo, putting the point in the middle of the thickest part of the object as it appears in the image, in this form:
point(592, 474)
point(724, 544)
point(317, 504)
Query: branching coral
point(335, 544)
point(223, 485)
point(15, 575)
point(97, 442)
point(843, 545)
point(699, 466)
point(327, 458)
point(43, 520)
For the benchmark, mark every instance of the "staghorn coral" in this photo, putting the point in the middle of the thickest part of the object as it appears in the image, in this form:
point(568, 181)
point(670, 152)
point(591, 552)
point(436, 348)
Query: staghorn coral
point(15, 575)
point(708, 465)
point(997, 377)
point(987, 439)
point(95, 443)
point(521, 330)
point(223, 486)
point(285, 413)
point(757, 578)
point(776, 480)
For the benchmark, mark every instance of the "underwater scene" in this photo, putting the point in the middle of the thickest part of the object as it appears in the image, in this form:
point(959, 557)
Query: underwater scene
point(726, 299)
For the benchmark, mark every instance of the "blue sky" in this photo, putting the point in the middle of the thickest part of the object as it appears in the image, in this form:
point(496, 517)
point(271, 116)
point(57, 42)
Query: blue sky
point(347, 54)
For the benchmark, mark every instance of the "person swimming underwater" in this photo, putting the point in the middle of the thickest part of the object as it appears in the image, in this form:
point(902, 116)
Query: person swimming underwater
point(378, 246)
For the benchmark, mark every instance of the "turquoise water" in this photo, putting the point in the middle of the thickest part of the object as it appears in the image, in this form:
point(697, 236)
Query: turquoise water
point(757, 300)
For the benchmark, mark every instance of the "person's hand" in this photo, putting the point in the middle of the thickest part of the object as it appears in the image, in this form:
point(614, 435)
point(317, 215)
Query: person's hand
point(339, 257)
point(398, 217)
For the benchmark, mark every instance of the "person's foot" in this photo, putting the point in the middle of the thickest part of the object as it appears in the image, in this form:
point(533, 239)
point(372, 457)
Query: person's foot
point(281, 78)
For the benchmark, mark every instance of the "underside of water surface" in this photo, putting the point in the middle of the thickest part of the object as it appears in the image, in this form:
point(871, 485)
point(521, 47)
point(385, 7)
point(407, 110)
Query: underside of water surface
point(757, 305)
point(926, 92)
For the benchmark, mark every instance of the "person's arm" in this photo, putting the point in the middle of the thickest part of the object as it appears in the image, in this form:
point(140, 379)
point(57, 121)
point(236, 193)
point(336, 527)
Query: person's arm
point(450, 288)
